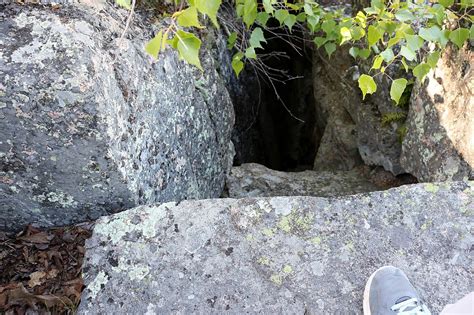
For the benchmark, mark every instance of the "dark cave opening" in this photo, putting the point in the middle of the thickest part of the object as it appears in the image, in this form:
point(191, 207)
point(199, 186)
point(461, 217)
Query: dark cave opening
point(276, 122)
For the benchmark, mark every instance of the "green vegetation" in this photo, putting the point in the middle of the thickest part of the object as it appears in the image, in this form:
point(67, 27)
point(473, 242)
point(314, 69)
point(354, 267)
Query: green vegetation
point(411, 34)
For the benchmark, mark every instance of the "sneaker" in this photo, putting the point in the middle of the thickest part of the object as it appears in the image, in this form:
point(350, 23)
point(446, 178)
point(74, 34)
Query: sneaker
point(388, 291)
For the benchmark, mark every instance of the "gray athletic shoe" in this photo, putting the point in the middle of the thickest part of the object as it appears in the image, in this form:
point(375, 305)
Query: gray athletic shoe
point(388, 291)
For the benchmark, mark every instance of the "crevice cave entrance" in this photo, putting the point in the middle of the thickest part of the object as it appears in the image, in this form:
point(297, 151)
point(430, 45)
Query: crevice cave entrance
point(275, 121)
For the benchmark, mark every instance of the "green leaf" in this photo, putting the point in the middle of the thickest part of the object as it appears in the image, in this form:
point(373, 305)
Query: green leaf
point(301, 17)
point(250, 53)
point(367, 85)
point(433, 58)
point(189, 18)
point(346, 34)
point(397, 89)
point(364, 53)
point(387, 55)
point(231, 40)
point(421, 70)
point(354, 52)
point(431, 34)
point(414, 42)
point(357, 32)
point(361, 53)
point(313, 22)
point(257, 37)
point(172, 42)
point(405, 66)
point(373, 35)
point(446, 3)
point(290, 21)
point(281, 15)
point(328, 26)
point(153, 47)
point(267, 5)
point(209, 8)
point(319, 41)
point(330, 48)
point(371, 11)
point(249, 14)
point(393, 41)
point(408, 53)
point(471, 32)
point(378, 4)
point(127, 4)
point(308, 9)
point(404, 15)
point(262, 18)
point(188, 48)
point(237, 64)
point(459, 36)
point(377, 62)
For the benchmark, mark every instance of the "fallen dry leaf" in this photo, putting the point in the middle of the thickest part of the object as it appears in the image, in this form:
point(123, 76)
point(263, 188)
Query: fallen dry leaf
point(35, 278)
point(38, 238)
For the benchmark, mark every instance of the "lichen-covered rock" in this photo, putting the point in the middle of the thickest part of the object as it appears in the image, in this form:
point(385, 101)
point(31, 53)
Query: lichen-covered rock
point(349, 122)
point(255, 180)
point(282, 255)
point(439, 144)
point(92, 125)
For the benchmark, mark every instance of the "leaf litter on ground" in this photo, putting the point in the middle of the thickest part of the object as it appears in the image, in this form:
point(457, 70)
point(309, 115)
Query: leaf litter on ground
point(40, 270)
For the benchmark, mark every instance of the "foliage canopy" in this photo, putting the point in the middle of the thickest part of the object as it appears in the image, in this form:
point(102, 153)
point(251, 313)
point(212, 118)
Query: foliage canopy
point(411, 33)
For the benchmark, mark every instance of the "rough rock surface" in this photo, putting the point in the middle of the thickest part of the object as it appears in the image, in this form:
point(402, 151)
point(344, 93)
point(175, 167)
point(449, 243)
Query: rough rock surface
point(254, 180)
point(89, 128)
point(439, 144)
point(282, 255)
point(350, 123)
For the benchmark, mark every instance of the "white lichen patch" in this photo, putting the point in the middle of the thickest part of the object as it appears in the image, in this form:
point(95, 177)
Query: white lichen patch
point(285, 272)
point(431, 188)
point(139, 272)
point(95, 286)
point(59, 197)
point(265, 206)
point(276, 279)
point(315, 240)
point(287, 269)
point(134, 271)
point(119, 225)
point(268, 232)
point(265, 261)
point(296, 222)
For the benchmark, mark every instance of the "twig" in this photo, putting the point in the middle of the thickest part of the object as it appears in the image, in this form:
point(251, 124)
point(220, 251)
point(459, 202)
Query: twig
point(127, 25)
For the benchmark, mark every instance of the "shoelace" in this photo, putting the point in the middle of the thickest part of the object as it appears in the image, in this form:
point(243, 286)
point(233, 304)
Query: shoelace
point(411, 307)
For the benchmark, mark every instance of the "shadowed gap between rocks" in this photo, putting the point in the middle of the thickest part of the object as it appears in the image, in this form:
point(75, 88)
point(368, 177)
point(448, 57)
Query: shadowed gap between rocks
point(288, 135)
point(279, 133)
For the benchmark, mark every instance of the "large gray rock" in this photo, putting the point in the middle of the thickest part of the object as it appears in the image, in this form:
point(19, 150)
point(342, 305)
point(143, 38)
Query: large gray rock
point(254, 180)
point(439, 144)
point(282, 255)
point(89, 128)
point(353, 128)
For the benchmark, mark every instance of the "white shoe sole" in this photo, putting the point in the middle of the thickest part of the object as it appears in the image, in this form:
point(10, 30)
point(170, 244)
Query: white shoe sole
point(366, 304)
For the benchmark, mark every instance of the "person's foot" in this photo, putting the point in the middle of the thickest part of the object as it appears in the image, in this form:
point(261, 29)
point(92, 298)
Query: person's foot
point(388, 291)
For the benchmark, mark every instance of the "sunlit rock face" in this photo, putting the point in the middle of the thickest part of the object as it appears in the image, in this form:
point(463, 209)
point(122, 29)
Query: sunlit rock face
point(439, 144)
point(279, 255)
point(91, 126)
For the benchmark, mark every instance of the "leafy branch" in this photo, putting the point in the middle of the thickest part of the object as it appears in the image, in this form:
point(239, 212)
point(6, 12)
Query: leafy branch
point(411, 34)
